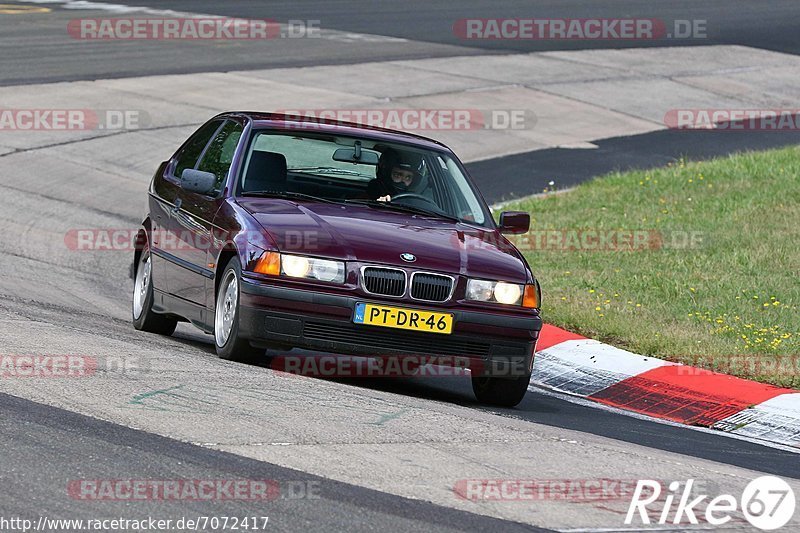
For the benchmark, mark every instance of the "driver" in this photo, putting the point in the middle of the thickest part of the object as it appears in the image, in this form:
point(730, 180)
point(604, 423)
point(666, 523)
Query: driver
point(397, 173)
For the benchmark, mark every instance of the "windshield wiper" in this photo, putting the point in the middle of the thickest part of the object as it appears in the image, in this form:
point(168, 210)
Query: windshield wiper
point(289, 195)
point(404, 208)
point(328, 170)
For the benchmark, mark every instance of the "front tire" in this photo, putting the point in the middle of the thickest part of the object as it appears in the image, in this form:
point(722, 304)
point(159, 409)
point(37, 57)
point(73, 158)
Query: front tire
point(144, 318)
point(500, 392)
point(229, 344)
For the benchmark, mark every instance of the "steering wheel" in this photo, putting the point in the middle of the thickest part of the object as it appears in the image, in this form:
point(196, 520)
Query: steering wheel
point(413, 195)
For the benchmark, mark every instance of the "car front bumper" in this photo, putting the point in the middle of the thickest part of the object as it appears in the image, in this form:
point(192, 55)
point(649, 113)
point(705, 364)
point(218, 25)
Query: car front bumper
point(494, 344)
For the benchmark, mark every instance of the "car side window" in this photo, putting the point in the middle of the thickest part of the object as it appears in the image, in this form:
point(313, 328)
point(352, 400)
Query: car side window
point(194, 148)
point(219, 154)
point(466, 205)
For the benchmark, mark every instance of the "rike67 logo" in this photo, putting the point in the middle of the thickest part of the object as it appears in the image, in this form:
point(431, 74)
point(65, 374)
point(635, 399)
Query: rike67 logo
point(767, 503)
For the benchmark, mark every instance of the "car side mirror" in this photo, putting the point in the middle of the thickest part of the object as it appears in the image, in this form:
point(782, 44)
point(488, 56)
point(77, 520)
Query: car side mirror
point(198, 181)
point(514, 222)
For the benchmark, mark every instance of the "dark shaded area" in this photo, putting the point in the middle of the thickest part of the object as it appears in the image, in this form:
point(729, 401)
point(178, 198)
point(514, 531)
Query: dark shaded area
point(520, 175)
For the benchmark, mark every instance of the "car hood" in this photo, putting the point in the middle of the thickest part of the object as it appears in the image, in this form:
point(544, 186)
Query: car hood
point(369, 235)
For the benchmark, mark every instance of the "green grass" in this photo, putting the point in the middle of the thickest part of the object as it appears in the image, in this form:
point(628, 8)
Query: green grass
point(730, 303)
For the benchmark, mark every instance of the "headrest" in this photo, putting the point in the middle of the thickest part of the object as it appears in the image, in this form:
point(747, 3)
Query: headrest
point(266, 172)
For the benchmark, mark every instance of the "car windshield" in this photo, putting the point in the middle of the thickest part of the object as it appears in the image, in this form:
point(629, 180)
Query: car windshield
point(403, 178)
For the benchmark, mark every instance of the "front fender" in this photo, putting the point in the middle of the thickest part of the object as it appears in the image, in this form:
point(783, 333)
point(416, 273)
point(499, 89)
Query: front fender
point(142, 238)
point(237, 233)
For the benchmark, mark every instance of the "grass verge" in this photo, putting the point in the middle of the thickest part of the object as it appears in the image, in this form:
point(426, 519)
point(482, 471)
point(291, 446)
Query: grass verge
point(712, 279)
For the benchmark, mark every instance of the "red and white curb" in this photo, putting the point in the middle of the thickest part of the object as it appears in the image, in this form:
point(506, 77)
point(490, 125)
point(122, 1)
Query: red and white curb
point(572, 364)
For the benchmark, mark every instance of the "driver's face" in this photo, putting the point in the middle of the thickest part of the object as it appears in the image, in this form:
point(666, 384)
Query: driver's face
point(399, 175)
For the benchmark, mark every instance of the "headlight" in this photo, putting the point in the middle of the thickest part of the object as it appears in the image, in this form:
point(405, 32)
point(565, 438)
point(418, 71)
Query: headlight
point(298, 266)
point(325, 270)
point(507, 293)
point(295, 266)
point(480, 290)
point(502, 292)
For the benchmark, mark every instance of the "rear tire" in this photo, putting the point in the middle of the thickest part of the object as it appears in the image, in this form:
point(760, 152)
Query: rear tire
point(501, 392)
point(144, 318)
point(229, 344)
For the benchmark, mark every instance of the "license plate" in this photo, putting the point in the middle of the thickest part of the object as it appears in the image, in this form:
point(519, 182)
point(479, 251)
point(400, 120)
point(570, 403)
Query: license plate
point(400, 318)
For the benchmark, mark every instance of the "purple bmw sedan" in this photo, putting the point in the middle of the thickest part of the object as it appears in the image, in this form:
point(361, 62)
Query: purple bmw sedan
point(272, 232)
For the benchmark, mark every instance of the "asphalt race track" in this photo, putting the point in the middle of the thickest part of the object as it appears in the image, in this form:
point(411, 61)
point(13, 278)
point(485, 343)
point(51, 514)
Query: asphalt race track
point(41, 52)
point(116, 450)
point(354, 455)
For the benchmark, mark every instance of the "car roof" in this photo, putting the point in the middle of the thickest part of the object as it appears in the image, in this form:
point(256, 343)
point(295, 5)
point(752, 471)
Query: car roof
point(280, 121)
